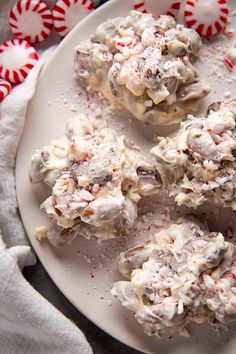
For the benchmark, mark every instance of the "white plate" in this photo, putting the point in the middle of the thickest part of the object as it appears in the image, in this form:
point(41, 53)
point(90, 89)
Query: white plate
point(85, 279)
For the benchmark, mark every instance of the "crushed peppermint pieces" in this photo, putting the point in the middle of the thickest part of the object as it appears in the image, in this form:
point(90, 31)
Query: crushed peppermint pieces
point(228, 63)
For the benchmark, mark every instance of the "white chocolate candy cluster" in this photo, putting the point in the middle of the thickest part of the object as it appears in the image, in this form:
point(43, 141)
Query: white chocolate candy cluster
point(198, 164)
point(97, 179)
point(187, 274)
point(145, 66)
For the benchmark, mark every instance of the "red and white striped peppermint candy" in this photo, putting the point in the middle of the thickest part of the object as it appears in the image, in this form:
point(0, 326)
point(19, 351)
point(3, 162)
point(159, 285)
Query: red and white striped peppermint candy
point(158, 7)
point(207, 17)
point(17, 58)
point(5, 89)
point(68, 13)
point(31, 20)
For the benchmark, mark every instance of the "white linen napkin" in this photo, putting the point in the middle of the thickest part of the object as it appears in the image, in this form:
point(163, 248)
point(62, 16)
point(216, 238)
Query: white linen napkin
point(29, 324)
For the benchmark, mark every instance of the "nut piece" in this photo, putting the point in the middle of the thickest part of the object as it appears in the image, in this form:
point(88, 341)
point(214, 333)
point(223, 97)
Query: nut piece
point(41, 233)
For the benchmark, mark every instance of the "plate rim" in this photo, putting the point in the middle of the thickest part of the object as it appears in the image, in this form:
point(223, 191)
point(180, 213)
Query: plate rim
point(66, 293)
point(49, 271)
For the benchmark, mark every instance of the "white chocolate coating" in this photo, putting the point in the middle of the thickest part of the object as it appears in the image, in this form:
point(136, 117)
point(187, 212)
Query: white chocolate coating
point(187, 274)
point(97, 179)
point(145, 66)
point(198, 164)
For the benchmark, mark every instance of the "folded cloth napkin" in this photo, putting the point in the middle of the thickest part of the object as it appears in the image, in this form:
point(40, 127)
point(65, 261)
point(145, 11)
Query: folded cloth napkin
point(29, 324)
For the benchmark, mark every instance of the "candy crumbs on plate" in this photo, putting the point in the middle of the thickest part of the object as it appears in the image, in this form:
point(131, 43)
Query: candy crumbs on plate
point(17, 58)
point(228, 63)
point(31, 20)
point(5, 89)
point(207, 17)
point(68, 13)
